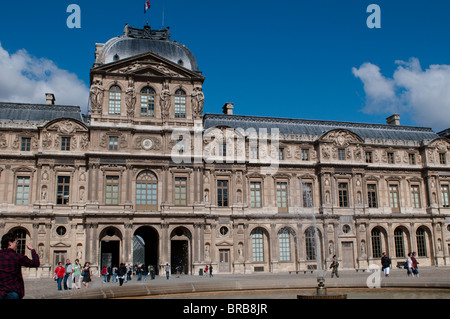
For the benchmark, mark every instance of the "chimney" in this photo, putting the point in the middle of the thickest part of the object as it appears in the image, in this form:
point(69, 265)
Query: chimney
point(228, 108)
point(394, 119)
point(50, 98)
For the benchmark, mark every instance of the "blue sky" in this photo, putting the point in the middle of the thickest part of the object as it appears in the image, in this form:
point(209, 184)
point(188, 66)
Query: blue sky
point(301, 59)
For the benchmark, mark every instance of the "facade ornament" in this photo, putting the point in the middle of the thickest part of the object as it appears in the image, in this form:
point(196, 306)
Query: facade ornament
point(97, 94)
point(130, 98)
point(164, 101)
point(197, 102)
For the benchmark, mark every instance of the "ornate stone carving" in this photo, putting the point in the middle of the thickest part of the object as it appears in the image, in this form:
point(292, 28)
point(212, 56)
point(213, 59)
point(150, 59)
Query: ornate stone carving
point(97, 94)
point(164, 101)
point(130, 98)
point(197, 102)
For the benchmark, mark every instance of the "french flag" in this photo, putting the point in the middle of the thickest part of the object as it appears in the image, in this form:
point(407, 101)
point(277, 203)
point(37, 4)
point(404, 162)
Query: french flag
point(147, 6)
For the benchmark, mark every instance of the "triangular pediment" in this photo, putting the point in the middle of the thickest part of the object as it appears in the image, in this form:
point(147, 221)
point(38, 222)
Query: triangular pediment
point(148, 64)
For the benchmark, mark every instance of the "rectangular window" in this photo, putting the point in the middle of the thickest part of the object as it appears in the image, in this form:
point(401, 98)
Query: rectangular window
point(399, 245)
point(369, 158)
point(445, 195)
point(222, 193)
point(63, 190)
point(112, 190)
point(412, 159)
point(421, 243)
point(180, 191)
point(390, 158)
point(343, 194)
point(180, 106)
point(255, 194)
point(257, 246)
point(254, 152)
point(372, 195)
point(281, 153)
point(393, 196)
point(223, 149)
point(415, 196)
point(442, 158)
point(148, 105)
point(65, 143)
point(307, 194)
point(146, 194)
point(341, 154)
point(285, 249)
point(113, 143)
point(282, 199)
point(305, 154)
point(180, 146)
point(114, 102)
point(26, 144)
point(22, 190)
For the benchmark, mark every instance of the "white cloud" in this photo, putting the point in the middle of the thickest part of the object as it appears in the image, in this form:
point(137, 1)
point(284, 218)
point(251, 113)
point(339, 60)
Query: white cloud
point(26, 79)
point(424, 95)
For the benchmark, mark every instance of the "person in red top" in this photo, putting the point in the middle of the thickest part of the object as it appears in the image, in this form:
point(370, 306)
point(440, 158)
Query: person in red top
point(11, 263)
point(59, 274)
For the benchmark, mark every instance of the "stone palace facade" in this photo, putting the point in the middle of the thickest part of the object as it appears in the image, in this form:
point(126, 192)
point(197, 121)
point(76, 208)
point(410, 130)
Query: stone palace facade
point(147, 178)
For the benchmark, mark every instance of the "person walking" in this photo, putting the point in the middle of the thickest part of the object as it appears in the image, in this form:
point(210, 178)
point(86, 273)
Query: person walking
point(408, 265)
point(167, 268)
point(121, 273)
point(68, 275)
point(206, 270)
point(114, 276)
point(86, 274)
point(414, 264)
point(104, 273)
point(77, 274)
point(59, 275)
point(386, 264)
point(11, 281)
point(334, 266)
point(210, 270)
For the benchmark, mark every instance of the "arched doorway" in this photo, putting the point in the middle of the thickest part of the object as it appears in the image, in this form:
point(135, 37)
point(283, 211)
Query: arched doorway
point(110, 243)
point(146, 247)
point(180, 250)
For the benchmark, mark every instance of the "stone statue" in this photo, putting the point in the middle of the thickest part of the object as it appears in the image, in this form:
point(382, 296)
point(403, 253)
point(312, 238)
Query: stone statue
point(164, 101)
point(97, 93)
point(130, 98)
point(197, 102)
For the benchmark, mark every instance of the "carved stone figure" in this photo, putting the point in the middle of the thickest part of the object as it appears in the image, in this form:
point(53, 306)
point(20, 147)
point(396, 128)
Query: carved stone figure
point(130, 98)
point(164, 101)
point(97, 94)
point(197, 102)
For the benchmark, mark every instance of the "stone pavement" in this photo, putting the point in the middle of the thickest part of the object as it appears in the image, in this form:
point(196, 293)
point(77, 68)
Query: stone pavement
point(430, 277)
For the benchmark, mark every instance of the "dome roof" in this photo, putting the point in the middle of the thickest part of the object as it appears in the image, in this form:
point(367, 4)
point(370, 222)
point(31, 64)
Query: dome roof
point(138, 41)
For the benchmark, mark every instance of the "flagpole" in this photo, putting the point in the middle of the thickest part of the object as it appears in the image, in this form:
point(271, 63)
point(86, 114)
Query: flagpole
point(163, 11)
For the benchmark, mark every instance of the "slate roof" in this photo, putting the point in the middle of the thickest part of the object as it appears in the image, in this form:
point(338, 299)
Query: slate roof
point(38, 112)
point(318, 128)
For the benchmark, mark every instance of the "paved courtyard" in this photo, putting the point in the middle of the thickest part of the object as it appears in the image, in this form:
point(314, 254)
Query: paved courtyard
point(430, 277)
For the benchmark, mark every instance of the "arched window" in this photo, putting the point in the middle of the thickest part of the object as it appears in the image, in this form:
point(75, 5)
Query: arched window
point(376, 243)
point(147, 191)
point(421, 237)
point(258, 245)
point(115, 96)
point(310, 244)
point(147, 102)
point(180, 104)
point(21, 235)
point(399, 242)
point(285, 244)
